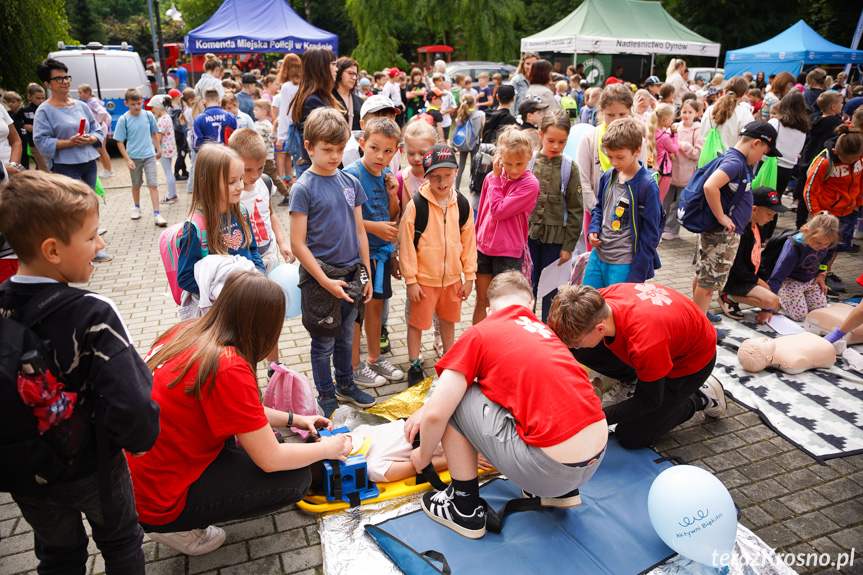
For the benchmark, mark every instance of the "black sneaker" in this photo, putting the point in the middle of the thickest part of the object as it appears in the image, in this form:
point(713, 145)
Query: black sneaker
point(571, 499)
point(729, 307)
point(834, 282)
point(415, 375)
point(385, 340)
point(440, 507)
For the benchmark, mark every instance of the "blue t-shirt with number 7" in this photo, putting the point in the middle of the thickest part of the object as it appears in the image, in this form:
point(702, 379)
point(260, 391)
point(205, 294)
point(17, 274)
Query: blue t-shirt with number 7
point(210, 126)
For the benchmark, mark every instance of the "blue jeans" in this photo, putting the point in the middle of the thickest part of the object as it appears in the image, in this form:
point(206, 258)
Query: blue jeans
point(58, 532)
point(169, 176)
point(85, 172)
point(846, 232)
point(542, 255)
point(340, 349)
point(598, 274)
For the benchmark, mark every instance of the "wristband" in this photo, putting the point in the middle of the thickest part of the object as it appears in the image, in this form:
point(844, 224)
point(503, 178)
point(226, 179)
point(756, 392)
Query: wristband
point(290, 418)
point(770, 311)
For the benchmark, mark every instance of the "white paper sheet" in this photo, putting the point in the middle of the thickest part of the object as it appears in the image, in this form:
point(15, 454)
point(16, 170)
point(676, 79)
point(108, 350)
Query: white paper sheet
point(784, 326)
point(552, 277)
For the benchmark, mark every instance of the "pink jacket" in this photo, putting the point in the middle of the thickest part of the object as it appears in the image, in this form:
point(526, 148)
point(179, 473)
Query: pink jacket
point(666, 144)
point(689, 144)
point(504, 207)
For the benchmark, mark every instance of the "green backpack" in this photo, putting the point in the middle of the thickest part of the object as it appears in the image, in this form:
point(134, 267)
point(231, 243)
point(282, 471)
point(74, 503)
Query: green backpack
point(570, 106)
point(712, 149)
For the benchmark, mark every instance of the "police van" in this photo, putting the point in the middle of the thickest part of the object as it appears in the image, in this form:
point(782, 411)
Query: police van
point(110, 71)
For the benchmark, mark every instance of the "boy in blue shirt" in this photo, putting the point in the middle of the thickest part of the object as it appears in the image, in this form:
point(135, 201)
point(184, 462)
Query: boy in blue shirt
point(213, 124)
point(380, 142)
point(136, 139)
point(717, 248)
point(327, 232)
point(627, 219)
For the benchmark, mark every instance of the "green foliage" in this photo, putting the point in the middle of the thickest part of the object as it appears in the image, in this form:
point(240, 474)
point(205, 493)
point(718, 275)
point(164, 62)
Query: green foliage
point(196, 12)
point(833, 19)
point(540, 14)
point(83, 24)
point(136, 31)
point(28, 32)
point(373, 20)
point(122, 10)
point(488, 28)
point(332, 16)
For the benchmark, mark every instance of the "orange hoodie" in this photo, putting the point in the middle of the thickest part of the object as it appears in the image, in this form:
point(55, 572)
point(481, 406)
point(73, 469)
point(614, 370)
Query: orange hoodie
point(840, 192)
point(444, 252)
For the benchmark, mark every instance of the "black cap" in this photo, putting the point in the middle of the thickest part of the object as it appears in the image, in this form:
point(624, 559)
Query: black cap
point(768, 198)
point(440, 156)
point(530, 104)
point(506, 93)
point(761, 130)
point(249, 79)
point(652, 80)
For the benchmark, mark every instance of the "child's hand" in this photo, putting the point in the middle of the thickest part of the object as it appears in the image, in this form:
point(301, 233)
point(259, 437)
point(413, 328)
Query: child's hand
point(336, 287)
point(419, 461)
point(412, 425)
point(392, 184)
point(387, 231)
point(416, 293)
point(763, 317)
point(497, 165)
point(484, 463)
point(158, 154)
point(726, 223)
point(336, 446)
point(819, 281)
point(368, 292)
point(395, 270)
point(465, 290)
point(130, 164)
point(312, 422)
point(594, 239)
point(288, 255)
point(565, 256)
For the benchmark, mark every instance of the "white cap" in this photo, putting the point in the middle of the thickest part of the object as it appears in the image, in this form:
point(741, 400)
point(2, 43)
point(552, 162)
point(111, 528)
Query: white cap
point(377, 103)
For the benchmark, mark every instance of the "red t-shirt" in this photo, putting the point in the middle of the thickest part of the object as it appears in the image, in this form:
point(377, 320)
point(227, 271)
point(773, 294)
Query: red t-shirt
point(520, 364)
point(193, 432)
point(658, 331)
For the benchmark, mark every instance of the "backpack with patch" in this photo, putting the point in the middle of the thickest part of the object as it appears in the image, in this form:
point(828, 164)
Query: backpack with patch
point(565, 174)
point(570, 106)
point(421, 220)
point(772, 251)
point(169, 249)
point(44, 429)
point(464, 139)
point(693, 211)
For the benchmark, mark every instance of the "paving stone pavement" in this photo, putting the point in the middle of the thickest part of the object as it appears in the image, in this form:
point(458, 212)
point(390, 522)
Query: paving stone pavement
point(794, 504)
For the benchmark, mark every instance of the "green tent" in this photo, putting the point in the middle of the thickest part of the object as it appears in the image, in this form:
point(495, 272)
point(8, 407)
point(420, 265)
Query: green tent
point(620, 27)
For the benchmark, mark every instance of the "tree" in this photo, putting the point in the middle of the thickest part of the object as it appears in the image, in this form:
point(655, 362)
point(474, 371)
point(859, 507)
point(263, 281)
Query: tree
point(137, 33)
point(28, 32)
point(488, 31)
point(373, 20)
point(437, 17)
point(835, 20)
point(196, 12)
point(83, 24)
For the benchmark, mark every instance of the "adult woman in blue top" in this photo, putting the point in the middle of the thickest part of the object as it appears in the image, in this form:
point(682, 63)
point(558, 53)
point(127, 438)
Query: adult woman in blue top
point(315, 91)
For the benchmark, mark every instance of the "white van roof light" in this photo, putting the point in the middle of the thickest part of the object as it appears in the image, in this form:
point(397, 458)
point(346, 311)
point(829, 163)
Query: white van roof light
point(94, 46)
point(61, 45)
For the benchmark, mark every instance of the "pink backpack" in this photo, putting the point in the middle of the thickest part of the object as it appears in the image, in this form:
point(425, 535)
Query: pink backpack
point(289, 390)
point(169, 249)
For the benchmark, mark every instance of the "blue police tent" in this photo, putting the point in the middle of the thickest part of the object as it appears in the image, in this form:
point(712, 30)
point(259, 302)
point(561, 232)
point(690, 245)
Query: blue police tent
point(788, 52)
point(266, 26)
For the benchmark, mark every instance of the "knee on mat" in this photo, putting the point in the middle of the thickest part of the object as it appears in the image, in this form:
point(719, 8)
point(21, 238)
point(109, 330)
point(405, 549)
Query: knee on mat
point(632, 439)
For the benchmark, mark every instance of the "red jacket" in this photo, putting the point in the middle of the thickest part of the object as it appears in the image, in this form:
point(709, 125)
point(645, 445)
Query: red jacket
point(838, 192)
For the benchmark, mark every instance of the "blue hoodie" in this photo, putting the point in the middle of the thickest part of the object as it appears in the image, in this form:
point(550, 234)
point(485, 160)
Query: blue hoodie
point(647, 219)
point(798, 261)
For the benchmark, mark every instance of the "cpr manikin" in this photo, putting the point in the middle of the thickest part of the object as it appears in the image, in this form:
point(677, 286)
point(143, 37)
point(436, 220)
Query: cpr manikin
point(827, 319)
point(791, 353)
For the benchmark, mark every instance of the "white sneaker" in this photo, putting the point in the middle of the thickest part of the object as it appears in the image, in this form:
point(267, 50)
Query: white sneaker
point(620, 392)
point(194, 542)
point(160, 221)
point(715, 394)
point(136, 213)
point(106, 174)
point(384, 368)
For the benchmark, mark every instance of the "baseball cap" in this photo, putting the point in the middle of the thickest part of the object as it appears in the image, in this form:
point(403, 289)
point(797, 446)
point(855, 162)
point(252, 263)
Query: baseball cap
point(434, 91)
point(376, 103)
point(365, 82)
point(393, 72)
point(613, 80)
point(651, 81)
point(506, 93)
point(761, 130)
point(530, 104)
point(768, 198)
point(440, 156)
point(249, 79)
point(174, 93)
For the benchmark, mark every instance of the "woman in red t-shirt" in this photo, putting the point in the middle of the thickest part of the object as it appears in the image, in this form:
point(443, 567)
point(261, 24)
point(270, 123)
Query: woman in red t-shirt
point(204, 381)
point(650, 337)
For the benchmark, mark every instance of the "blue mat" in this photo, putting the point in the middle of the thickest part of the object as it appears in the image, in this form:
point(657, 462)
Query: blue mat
point(609, 533)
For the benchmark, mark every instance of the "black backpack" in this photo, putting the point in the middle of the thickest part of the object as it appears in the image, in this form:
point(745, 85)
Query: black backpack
point(773, 250)
point(422, 214)
point(27, 459)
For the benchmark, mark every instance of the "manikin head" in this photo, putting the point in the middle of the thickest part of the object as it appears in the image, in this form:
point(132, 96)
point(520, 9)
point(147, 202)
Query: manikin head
point(756, 353)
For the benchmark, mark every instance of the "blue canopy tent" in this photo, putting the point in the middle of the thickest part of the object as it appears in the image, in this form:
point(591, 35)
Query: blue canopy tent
point(265, 26)
point(788, 52)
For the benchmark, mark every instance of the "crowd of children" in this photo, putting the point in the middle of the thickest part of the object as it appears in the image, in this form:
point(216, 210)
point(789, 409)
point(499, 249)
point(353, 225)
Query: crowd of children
point(359, 221)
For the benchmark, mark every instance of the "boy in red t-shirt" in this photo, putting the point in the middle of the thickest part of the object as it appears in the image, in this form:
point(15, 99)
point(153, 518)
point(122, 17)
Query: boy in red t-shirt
point(648, 334)
point(542, 428)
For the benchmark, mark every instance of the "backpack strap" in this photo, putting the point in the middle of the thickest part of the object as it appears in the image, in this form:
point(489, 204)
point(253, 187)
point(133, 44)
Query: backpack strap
point(196, 220)
point(463, 210)
point(269, 181)
point(421, 219)
point(46, 302)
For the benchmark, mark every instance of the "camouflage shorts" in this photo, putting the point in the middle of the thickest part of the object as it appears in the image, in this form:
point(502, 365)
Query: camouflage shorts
point(716, 251)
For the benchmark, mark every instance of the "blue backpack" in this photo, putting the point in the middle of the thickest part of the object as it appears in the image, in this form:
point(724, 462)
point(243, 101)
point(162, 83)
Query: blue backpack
point(693, 211)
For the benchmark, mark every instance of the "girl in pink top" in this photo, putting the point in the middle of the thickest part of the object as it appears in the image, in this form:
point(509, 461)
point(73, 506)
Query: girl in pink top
point(683, 165)
point(508, 197)
point(662, 144)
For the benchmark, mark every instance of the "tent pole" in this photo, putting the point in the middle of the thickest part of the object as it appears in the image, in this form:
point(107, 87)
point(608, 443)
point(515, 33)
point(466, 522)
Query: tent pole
point(716, 66)
point(855, 42)
point(650, 72)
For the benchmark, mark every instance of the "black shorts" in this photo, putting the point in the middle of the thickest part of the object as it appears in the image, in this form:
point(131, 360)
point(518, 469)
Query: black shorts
point(734, 287)
point(387, 286)
point(494, 265)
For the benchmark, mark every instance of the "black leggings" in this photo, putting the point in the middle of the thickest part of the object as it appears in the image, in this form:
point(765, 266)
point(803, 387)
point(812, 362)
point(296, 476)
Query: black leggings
point(234, 487)
point(679, 402)
point(782, 178)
